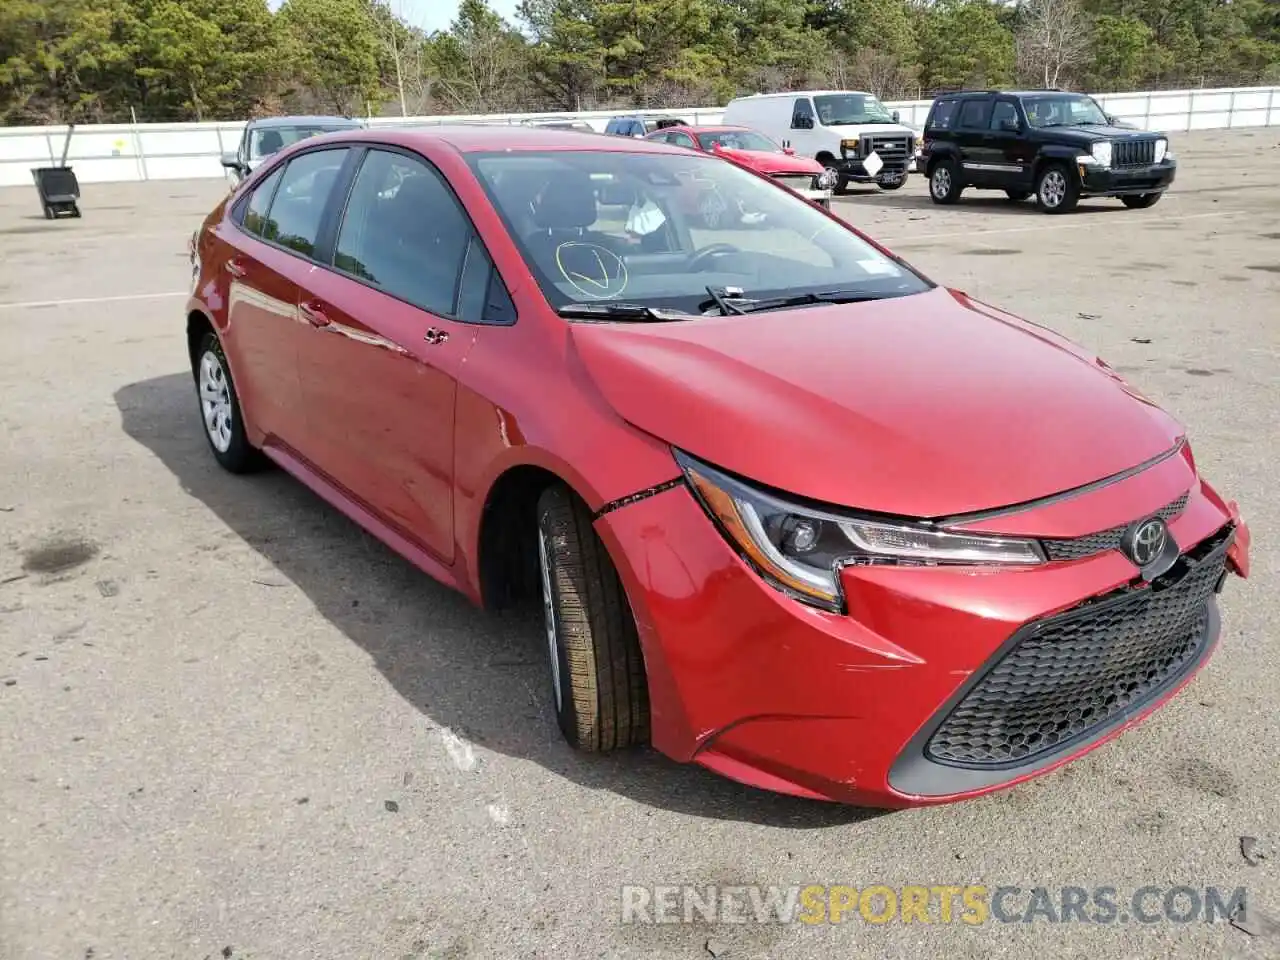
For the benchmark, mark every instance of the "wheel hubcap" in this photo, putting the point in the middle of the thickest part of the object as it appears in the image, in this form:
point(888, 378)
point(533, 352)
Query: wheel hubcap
point(1053, 188)
point(941, 182)
point(215, 401)
point(549, 617)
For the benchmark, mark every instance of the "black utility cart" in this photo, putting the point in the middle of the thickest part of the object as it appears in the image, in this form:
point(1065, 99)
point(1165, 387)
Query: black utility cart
point(58, 187)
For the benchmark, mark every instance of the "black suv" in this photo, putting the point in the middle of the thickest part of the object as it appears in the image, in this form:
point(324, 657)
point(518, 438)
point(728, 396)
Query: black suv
point(1058, 146)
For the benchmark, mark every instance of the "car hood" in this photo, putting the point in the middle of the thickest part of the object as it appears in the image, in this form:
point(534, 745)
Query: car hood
point(863, 129)
point(1092, 134)
point(768, 162)
point(924, 406)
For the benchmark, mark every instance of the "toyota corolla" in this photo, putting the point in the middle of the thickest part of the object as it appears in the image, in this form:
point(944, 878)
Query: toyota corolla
point(790, 509)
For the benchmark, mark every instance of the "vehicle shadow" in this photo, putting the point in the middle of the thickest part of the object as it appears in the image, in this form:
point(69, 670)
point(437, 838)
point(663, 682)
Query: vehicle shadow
point(481, 675)
point(973, 204)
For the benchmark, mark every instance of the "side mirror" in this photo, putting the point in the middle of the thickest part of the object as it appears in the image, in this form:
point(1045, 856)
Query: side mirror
point(897, 116)
point(232, 162)
point(1113, 120)
point(790, 152)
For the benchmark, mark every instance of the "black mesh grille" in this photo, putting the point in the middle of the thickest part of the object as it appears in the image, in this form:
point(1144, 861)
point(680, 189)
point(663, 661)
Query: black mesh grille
point(1073, 672)
point(1133, 153)
point(1093, 543)
point(894, 147)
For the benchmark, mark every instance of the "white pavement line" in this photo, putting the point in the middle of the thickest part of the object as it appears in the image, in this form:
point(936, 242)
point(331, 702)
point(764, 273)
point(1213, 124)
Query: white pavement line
point(1086, 222)
point(31, 304)
point(460, 752)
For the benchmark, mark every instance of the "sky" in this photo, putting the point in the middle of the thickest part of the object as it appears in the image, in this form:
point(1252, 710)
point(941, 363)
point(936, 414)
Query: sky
point(434, 14)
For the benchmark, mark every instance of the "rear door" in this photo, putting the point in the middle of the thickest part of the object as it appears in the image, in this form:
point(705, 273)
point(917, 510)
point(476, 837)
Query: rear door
point(271, 238)
point(390, 334)
point(973, 141)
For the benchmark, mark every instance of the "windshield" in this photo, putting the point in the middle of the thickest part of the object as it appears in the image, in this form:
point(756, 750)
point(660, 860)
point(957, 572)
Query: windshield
point(655, 230)
point(268, 140)
point(837, 109)
point(738, 140)
point(1063, 110)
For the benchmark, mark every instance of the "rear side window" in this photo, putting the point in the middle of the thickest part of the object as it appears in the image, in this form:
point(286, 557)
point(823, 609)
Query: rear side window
point(975, 113)
point(404, 233)
point(942, 116)
point(298, 204)
point(255, 212)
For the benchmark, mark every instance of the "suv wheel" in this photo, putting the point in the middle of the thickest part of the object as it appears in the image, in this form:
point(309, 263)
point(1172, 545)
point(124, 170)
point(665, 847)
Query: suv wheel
point(1141, 201)
point(597, 671)
point(944, 182)
point(1057, 191)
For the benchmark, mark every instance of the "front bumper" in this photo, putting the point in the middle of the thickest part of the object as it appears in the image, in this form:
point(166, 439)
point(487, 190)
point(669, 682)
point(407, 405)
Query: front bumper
point(780, 695)
point(1099, 181)
point(893, 171)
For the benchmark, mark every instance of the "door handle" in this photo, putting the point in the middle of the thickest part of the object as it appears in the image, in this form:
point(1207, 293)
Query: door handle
point(436, 335)
point(235, 268)
point(314, 314)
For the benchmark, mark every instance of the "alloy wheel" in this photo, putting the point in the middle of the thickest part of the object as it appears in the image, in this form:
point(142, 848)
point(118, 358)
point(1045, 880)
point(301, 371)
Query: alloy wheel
point(940, 182)
point(1053, 189)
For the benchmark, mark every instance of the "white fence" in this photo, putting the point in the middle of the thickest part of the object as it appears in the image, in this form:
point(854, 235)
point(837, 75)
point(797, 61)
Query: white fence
point(147, 151)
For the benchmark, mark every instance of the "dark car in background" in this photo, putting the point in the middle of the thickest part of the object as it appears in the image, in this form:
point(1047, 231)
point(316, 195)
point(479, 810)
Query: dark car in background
point(1054, 145)
point(640, 125)
point(267, 136)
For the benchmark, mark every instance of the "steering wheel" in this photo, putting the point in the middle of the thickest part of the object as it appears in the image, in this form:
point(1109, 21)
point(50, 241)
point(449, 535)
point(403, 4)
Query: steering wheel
point(702, 258)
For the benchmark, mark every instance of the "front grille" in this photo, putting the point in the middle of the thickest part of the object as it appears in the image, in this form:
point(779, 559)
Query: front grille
point(801, 181)
point(1092, 543)
point(1069, 674)
point(1133, 153)
point(888, 148)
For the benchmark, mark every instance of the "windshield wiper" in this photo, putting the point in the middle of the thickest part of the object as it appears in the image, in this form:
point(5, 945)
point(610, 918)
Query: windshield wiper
point(721, 298)
point(621, 311)
point(815, 296)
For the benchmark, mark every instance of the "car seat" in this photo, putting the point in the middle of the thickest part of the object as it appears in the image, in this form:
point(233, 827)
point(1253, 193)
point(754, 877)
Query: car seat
point(270, 142)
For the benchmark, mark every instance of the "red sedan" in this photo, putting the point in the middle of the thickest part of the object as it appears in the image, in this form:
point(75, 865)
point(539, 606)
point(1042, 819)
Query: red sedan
point(882, 544)
point(755, 151)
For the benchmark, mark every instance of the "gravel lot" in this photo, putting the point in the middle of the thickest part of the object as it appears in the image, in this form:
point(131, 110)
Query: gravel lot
point(233, 725)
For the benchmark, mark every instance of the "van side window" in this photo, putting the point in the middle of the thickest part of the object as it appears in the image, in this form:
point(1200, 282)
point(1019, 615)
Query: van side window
point(802, 114)
point(942, 116)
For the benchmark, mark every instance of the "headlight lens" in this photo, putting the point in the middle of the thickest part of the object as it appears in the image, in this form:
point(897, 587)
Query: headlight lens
point(1162, 148)
point(801, 549)
point(827, 179)
point(1102, 152)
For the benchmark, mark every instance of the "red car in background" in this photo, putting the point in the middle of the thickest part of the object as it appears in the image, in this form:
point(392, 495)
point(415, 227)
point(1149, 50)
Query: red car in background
point(753, 150)
point(789, 509)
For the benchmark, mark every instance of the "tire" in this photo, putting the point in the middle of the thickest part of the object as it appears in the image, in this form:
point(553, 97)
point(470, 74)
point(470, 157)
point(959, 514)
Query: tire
point(944, 182)
point(598, 681)
point(1017, 196)
point(1057, 190)
point(842, 183)
point(1141, 201)
point(219, 408)
point(48, 212)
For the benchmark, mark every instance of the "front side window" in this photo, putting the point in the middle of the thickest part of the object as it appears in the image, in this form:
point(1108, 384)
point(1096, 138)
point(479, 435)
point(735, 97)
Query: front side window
point(1004, 112)
point(680, 140)
point(298, 205)
point(838, 109)
point(1063, 110)
point(403, 232)
point(630, 228)
point(738, 140)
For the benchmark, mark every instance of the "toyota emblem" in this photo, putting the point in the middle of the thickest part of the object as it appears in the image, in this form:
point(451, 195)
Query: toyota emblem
point(1146, 542)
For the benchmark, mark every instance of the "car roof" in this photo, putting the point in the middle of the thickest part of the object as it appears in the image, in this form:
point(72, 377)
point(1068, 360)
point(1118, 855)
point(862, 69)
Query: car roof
point(805, 93)
point(300, 121)
point(482, 139)
point(1006, 93)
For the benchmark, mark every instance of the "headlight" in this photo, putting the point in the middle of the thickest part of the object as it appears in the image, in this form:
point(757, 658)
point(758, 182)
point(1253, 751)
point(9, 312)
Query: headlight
point(850, 145)
point(827, 179)
point(1162, 149)
point(1102, 152)
point(800, 549)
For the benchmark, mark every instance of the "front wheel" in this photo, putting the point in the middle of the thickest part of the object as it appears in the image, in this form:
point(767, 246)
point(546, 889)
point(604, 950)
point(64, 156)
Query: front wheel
point(1141, 201)
point(944, 182)
point(597, 671)
point(1057, 189)
point(220, 409)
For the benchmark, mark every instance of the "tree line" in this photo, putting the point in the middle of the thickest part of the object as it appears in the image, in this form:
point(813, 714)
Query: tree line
point(166, 60)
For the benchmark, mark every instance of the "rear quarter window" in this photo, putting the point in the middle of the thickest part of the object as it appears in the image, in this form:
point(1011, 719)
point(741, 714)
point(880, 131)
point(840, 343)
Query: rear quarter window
point(941, 116)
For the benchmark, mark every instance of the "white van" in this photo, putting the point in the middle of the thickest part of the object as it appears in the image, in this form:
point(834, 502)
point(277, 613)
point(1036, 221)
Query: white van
point(850, 132)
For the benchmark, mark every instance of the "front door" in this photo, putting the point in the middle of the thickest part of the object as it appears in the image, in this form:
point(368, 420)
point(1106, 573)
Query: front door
point(1009, 152)
point(973, 139)
point(378, 371)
